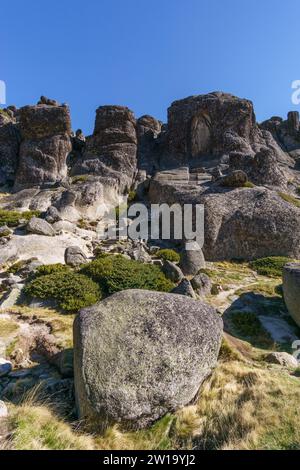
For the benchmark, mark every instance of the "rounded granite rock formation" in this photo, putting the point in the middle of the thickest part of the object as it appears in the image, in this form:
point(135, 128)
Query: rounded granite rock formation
point(139, 355)
point(291, 289)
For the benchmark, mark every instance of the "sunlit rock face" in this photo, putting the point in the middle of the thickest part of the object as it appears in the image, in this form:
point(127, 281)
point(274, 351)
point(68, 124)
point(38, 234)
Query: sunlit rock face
point(112, 149)
point(210, 126)
point(45, 145)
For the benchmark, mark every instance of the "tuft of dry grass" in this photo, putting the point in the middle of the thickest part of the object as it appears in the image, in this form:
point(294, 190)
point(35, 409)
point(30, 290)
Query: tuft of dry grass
point(244, 405)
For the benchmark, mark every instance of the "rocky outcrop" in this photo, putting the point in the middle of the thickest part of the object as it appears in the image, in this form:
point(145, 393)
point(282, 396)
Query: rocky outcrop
point(203, 127)
point(140, 354)
point(282, 359)
point(40, 227)
point(74, 256)
point(184, 288)
point(291, 290)
point(285, 132)
point(148, 130)
point(202, 284)
point(192, 259)
point(45, 132)
point(249, 224)
point(9, 148)
point(262, 168)
point(112, 149)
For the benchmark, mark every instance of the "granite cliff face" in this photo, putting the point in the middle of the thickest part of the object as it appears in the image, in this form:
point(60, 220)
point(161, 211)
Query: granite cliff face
point(210, 148)
point(45, 144)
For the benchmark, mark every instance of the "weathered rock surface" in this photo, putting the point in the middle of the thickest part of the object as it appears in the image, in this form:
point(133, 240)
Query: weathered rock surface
point(74, 256)
point(5, 367)
point(148, 130)
point(261, 169)
point(236, 179)
point(40, 227)
point(172, 271)
point(3, 410)
point(215, 124)
point(201, 284)
point(184, 288)
point(291, 290)
point(48, 250)
point(45, 132)
point(112, 149)
point(140, 354)
point(282, 359)
point(249, 224)
point(9, 148)
point(285, 132)
point(192, 259)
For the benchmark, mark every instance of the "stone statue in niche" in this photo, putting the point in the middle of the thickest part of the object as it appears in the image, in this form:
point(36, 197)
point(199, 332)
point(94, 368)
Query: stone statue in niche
point(200, 135)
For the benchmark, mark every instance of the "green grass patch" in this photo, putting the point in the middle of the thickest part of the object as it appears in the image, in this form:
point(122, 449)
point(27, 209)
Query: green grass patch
point(246, 325)
point(12, 218)
point(290, 199)
point(271, 266)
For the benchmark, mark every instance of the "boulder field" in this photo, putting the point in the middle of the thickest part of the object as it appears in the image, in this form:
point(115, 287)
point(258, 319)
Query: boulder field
point(140, 354)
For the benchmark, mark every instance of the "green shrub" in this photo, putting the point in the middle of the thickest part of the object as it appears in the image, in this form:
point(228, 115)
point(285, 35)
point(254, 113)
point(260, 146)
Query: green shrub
point(12, 218)
point(271, 266)
point(16, 267)
point(168, 255)
point(5, 233)
point(52, 269)
point(248, 326)
point(248, 184)
point(132, 196)
point(79, 179)
point(72, 291)
point(116, 273)
point(291, 199)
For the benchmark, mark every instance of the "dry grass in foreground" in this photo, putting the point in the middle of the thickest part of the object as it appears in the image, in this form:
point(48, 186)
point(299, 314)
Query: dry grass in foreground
point(243, 406)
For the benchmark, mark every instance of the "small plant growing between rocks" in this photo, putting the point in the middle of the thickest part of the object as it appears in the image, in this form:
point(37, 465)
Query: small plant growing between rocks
point(289, 198)
point(168, 255)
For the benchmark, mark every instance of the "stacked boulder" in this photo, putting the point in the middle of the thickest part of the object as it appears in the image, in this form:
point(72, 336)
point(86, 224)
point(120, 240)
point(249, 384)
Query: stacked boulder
point(112, 149)
point(45, 132)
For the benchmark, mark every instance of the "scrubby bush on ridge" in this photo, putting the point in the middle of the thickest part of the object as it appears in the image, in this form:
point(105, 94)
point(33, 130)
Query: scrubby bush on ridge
point(168, 255)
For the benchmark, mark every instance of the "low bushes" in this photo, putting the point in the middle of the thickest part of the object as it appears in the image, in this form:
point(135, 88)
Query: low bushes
point(271, 266)
point(100, 278)
point(52, 269)
point(71, 291)
point(168, 255)
point(116, 273)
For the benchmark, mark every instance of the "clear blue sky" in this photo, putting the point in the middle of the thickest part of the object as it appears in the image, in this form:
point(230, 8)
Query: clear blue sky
point(146, 54)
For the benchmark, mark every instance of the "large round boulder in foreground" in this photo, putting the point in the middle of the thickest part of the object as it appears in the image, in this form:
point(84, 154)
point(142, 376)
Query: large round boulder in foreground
point(291, 289)
point(140, 354)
